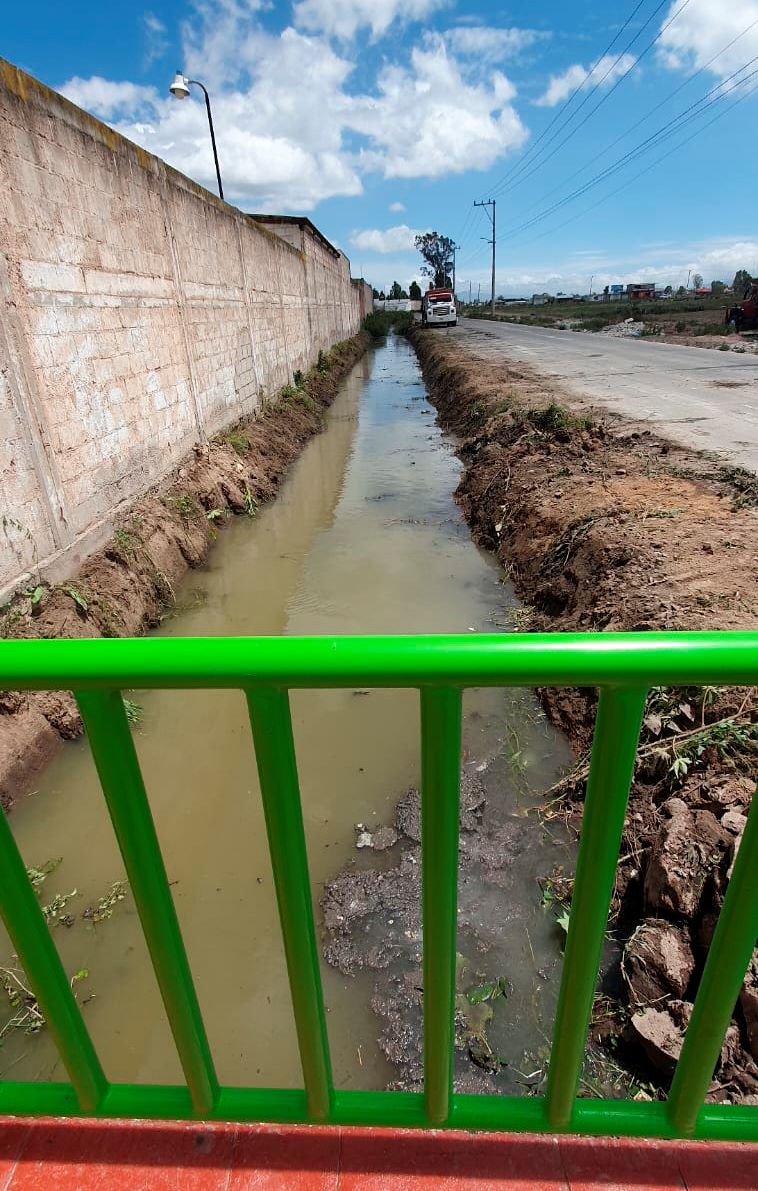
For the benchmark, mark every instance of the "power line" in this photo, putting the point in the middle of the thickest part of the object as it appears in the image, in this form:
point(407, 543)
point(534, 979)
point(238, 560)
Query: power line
point(656, 107)
point(503, 187)
point(666, 130)
point(574, 93)
point(651, 165)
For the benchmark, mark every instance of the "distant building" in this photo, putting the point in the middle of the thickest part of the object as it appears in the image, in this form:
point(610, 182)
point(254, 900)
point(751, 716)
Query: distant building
point(540, 299)
point(640, 291)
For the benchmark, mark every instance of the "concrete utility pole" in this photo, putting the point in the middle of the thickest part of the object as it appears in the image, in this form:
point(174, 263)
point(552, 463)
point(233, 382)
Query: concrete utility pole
point(469, 293)
point(491, 214)
point(479, 293)
point(455, 249)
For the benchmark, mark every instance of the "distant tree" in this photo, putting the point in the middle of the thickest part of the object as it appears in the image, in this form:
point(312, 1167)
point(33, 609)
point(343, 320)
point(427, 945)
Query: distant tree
point(397, 291)
point(717, 288)
point(697, 280)
point(414, 292)
point(381, 295)
point(437, 252)
point(668, 291)
point(681, 291)
point(741, 283)
point(375, 291)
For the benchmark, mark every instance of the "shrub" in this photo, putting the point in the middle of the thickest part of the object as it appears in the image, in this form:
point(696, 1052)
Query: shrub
point(381, 322)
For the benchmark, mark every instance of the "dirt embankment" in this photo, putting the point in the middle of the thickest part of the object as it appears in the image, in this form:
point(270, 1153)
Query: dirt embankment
point(128, 587)
point(602, 525)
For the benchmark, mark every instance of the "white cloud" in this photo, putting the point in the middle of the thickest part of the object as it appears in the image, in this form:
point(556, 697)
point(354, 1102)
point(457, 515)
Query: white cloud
point(428, 121)
point(391, 239)
point(717, 259)
point(704, 29)
point(343, 18)
point(109, 100)
point(396, 207)
point(156, 42)
point(488, 43)
point(606, 72)
point(291, 128)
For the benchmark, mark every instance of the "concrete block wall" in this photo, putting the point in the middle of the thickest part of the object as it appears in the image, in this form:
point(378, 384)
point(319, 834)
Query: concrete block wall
point(138, 314)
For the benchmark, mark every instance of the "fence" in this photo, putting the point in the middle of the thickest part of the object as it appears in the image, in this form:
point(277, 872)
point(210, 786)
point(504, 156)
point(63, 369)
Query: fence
point(622, 666)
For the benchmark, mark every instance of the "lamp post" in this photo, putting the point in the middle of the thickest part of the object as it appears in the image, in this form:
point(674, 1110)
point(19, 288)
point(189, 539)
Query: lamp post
point(180, 90)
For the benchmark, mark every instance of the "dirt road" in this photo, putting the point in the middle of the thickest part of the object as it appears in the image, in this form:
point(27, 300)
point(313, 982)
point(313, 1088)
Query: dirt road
point(702, 399)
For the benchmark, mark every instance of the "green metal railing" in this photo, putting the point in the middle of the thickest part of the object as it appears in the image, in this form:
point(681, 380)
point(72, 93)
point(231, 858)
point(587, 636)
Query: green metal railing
point(622, 666)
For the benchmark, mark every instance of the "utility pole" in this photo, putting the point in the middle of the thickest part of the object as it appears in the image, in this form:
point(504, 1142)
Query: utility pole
point(479, 293)
point(491, 214)
point(592, 278)
point(455, 249)
point(469, 293)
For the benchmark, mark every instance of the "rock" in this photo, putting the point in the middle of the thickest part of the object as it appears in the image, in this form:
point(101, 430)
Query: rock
point(380, 840)
point(718, 792)
point(660, 1033)
point(734, 822)
point(473, 798)
point(684, 852)
point(749, 1005)
point(658, 962)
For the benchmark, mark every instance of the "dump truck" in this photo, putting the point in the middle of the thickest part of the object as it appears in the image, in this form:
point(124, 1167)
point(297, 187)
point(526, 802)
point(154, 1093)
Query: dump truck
point(438, 308)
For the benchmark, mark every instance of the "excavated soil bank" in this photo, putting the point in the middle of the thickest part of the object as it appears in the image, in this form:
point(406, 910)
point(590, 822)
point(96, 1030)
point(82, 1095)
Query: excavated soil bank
point(126, 588)
point(602, 525)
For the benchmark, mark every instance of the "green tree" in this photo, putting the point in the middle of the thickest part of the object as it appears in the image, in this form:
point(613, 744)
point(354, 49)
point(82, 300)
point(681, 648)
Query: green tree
point(414, 292)
point(375, 291)
point(717, 288)
point(741, 283)
point(437, 252)
point(697, 280)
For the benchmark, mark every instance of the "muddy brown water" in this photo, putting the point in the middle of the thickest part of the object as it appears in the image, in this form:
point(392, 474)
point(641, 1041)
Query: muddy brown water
point(364, 537)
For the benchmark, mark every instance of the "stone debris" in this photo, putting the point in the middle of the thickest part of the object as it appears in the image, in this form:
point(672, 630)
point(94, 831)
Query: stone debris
point(658, 961)
point(685, 852)
point(629, 329)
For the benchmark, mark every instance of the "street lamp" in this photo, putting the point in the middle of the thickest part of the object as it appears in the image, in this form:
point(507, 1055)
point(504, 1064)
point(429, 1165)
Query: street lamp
point(180, 89)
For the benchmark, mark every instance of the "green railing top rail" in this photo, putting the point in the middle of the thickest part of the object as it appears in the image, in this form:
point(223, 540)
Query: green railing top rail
point(622, 666)
point(466, 660)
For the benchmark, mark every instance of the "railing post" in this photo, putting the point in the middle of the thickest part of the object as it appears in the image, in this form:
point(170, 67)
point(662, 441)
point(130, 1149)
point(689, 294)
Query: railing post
point(116, 762)
point(277, 771)
point(617, 728)
point(728, 957)
point(440, 799)
point(39, 958)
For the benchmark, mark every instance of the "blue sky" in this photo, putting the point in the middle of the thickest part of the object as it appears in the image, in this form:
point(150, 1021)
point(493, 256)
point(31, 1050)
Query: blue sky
point(382, 118)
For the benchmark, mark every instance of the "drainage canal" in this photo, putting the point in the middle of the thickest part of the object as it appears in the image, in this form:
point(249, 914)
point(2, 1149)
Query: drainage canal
point(364, 538)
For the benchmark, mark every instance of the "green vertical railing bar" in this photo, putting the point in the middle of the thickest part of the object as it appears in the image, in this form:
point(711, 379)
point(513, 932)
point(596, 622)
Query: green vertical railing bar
point(116, 761)
point(728, 957)
point(440, 798)
point(39, 958)
point(617, 728)
point(277, 771)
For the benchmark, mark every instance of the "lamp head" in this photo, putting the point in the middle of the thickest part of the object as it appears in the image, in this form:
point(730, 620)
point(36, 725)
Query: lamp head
point(179, 88)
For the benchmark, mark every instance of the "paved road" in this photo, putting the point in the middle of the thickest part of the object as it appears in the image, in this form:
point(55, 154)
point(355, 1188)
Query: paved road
point(702, 398)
